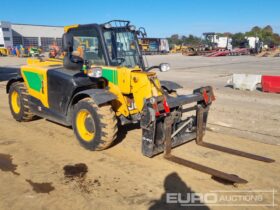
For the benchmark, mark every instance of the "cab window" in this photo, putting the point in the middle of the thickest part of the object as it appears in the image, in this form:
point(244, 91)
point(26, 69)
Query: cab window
point(87, 45)
point(122, 48)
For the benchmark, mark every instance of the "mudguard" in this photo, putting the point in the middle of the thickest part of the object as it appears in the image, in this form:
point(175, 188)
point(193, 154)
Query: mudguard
point(99, 96)
point(169, 85)
point(11, 81)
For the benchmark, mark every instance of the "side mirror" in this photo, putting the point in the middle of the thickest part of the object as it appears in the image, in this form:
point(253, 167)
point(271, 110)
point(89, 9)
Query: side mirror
point(67, 42)
point(142, 32)
point(163, 67)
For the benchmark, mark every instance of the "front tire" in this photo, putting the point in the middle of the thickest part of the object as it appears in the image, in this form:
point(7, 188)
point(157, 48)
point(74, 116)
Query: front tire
point(18, 101)
point(94, 126)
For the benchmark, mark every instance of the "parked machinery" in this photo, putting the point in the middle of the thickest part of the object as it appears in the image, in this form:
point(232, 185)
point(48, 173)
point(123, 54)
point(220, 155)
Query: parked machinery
point(214, 41)
point(254, 44)
point(34, 51)
point(210, 44)
point(152, 46)
point(3, 51)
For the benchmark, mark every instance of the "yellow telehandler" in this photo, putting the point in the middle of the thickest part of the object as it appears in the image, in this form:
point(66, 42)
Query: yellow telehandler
point(101, 80)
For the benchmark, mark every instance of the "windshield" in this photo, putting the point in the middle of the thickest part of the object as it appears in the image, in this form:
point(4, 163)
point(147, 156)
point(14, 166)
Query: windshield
point(122, 47)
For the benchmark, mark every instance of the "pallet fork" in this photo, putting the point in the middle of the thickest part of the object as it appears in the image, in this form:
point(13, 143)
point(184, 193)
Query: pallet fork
point(170, 138)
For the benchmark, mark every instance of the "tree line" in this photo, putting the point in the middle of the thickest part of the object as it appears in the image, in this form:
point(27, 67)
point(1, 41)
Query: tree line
point(266, 34)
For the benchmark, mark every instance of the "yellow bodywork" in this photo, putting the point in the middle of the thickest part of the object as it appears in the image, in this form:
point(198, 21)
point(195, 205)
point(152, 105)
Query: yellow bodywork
point(36, 72)
point(142, 88)
point(131, 85)
point(50, 62)
point(67, 28)
point(133, 82)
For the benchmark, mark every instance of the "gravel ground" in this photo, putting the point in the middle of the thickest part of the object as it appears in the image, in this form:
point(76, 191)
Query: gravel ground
point(33, 155)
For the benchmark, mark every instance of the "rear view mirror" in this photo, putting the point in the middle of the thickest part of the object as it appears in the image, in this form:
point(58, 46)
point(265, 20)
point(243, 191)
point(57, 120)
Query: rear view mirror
point(67, 42)
point(163, 67)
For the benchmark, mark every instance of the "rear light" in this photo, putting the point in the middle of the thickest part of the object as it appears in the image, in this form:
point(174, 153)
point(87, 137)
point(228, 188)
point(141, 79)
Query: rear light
point(205, 96)
point(166, 107)
point(155, 106)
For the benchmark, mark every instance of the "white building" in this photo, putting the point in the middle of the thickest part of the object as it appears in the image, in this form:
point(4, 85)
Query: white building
point(6, 38)
point(13, 34)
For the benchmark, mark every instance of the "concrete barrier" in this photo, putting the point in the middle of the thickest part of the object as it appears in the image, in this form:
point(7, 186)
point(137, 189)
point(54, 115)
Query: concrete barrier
point(245, 81)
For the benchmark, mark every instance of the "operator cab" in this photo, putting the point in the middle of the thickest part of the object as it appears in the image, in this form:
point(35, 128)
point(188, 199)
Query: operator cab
point(114, 43)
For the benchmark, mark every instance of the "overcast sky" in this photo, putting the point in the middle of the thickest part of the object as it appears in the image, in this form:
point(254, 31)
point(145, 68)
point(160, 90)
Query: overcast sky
point(161, 18)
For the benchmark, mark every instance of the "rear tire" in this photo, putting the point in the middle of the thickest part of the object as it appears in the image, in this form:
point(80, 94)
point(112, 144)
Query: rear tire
point(18, 101)
point(94, 126)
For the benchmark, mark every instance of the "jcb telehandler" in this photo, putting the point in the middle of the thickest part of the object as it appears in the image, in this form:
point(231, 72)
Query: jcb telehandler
point(103, 79)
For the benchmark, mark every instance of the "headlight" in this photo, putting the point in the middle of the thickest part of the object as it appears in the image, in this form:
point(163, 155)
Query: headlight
point(95, 72)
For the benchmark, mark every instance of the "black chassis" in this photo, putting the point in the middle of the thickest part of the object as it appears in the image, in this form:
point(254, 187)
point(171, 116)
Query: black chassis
point(65, 89)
